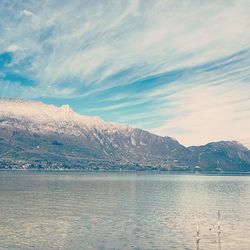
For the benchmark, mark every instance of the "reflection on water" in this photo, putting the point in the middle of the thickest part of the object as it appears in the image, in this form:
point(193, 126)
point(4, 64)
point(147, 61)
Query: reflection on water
point(59, 210)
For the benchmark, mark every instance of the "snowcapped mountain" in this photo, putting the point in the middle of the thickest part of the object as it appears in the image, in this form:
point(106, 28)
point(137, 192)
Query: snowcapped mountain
point(33, 134)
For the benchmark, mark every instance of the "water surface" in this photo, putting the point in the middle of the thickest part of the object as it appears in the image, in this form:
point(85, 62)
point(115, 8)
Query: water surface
point(75, 210)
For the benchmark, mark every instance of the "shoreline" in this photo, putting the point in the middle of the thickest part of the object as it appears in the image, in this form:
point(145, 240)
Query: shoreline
point(169, 172)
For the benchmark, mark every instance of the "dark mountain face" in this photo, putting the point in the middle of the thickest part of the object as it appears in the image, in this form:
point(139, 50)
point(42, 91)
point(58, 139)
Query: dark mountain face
point(35, 135)
point(136, 147)
point(226, 155)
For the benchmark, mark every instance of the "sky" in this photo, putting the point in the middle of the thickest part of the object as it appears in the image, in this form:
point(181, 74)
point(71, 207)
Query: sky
point(174, 68)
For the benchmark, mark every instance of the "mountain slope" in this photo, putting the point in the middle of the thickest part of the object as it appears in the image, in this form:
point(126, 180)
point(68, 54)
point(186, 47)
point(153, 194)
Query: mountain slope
point(36, 135)
point(226, 155)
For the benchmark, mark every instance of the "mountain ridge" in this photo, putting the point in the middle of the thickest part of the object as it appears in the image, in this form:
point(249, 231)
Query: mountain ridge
point(38, 135)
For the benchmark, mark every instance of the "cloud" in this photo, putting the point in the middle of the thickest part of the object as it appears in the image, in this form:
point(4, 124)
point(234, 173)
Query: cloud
point(210, 113)
point(90, 41)
point(136, 62)
point(13, 48)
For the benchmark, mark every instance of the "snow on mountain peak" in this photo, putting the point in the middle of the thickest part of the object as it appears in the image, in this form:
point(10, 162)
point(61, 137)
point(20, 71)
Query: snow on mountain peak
point(46, 115)
point(66, 108)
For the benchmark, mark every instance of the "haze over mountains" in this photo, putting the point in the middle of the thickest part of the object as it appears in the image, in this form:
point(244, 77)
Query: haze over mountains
point(40, 136)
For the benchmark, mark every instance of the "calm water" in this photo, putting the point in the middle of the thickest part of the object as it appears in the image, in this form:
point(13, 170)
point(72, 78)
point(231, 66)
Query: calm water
point(58, 210)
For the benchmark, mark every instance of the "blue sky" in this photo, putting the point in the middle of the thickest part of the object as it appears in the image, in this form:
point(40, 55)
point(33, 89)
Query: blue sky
point(176, 68)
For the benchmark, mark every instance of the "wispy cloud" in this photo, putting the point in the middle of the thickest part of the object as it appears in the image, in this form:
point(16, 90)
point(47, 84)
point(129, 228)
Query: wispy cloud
point(137, 62)
point(210, 113)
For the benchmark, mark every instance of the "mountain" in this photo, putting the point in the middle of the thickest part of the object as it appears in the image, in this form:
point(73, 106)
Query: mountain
point(224, 155)
point(36, 135)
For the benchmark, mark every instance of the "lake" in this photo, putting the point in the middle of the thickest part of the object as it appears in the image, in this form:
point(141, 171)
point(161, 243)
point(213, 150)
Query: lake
point(77, 210)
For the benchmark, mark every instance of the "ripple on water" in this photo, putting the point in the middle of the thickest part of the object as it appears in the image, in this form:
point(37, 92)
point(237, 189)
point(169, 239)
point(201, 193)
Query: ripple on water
point(122, 211)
